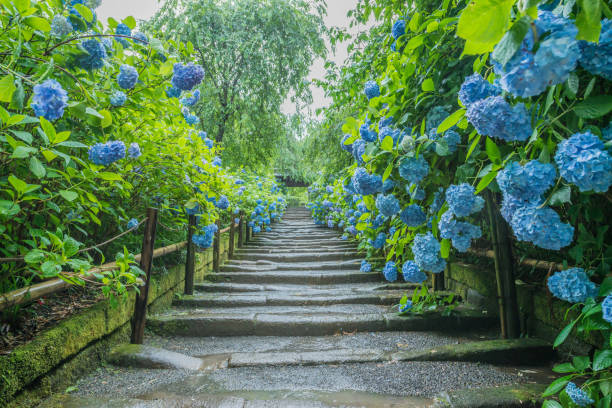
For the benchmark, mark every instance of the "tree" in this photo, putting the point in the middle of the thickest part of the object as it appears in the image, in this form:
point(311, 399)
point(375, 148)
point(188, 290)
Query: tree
point(256, 55)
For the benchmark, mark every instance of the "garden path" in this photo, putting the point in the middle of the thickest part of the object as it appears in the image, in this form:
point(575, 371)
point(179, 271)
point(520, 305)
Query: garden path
point(292, 322)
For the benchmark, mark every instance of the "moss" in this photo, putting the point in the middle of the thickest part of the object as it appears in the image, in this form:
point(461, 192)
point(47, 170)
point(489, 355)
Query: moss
point(481, 280)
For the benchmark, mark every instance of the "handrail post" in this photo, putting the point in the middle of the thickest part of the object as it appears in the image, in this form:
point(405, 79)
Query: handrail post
point(146, 260)
point(240, 230)
point(217, 247)
point(230, 249)
point(190, 264)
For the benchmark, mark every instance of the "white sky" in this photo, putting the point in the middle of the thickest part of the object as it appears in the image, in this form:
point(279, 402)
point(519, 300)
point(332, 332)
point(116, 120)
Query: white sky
point(336, 17)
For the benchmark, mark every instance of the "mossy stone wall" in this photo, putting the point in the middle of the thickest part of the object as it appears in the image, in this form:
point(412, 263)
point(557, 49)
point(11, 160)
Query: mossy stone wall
point(63, 353)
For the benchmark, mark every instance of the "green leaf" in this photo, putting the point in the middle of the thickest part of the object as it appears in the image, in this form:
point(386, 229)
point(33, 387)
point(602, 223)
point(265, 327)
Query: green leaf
point(50, 269)
point(104, 175)
point(485, 181)
point(93, 112)
point(556, 386)
point(563, 334)
point(69, 195)
point(108, 119)
point(19, 185)
point(387, 144)
point(551, 404)
point(511, 41)
point(451, 121)
point(71, 247)
point(602, 360)
point(84, 11)
point(493, 151)
point(581, 362)
point(606, 287)
point(7, 87)
point(481, 37)
point(588, 20)
point(387, 172)
point(130, 22)
point(22, 5)
point(35, 256)
point(594, 107)
point(22, 152)
point(38, 23)
point(473, 146)
point(18, 96)
point(561, 196)
point(445, 247)
point(37, 168)
point(9, 208)
point(48, 128)
point(428, 85)
point(415, 42)
point(564, 368)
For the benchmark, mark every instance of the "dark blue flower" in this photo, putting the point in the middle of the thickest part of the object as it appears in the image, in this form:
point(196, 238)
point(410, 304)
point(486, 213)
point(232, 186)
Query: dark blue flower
point(366, 184)
point(597, 56)
point(390, 271)
point(413, 216)
point(413, 169)
point(95, 54)
point(426, 250)
point(388, 205)
point(134, 151)
point(191, 100)
point(104, 154)
point(49, 100)
point(398, 29)
point(380, 241)
point(173, 92)
point(187, 76)
point(606, 308)
point(128, 76)
point(578, 396)
point(475, 88)
point(133, 223)
point(371, 89)
point(365, 266)
point(541, 226)
point(118, 98)
point(495, 117)
point(528, 182)
point(572, 285)
point(124, 30)
point(412, 273)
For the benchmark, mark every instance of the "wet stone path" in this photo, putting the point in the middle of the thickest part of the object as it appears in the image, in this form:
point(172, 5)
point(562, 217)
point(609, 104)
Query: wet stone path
point(292, 322)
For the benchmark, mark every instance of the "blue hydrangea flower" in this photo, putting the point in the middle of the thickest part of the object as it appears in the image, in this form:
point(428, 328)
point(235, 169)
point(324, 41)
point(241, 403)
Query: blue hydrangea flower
point(187, 76)
point(371, 89)
point(133, 223)
point(128, 76)
point(438, 201)
point(413, 216)
point(392, 231)
point(462, 201)
point(450, 137)
point(460, 233)
point(390, 271)
point(191, 100)
point(365, 266)
point(426, 250)
point(140, 37)
point(380, 241)
point(256, 229)
point(388, 205)
point(95, 54)
point(358, 150)
point(124, 30)
point(435, 116)
point(173, 92)
point(331, 224)
point(49, 100)
point(93, 4)
point(402, 308)
point(597, 57)
point(388, 185)
point(134, 151)
point(367, 134)
point(528, 182)
point(495, 117)
point(398, 29)
point(205, 240)
point(352, 230)
point(606, 308)
point(412, 273)
point(572, 285)
point(347, 147)
point(366, 184)
point(378, 221)
point(529, 72)
point(216, 161)
point(542, 227)
point(413, 169)
point(475, 88)
point(583, 161)
point(104, 154)
point(118, 98)
point(577, 395)
point(386, 121)
point(60, 26)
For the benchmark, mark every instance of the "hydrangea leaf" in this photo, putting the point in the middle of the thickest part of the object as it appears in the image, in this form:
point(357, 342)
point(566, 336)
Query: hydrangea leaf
point(483, 23)
point(84, 11)
point(38, 23)
point(69, 195)
point(387, 144)
point(428, 85)
point(37, 168)
point(594, 107)
point(445, 246)
point(7, 88)
point(450, 121)
point(588, 20)
point(130, 22)
point(561, 196)
point(511, 41)
point(602, 360)
point(485, 181)
point(493, 151)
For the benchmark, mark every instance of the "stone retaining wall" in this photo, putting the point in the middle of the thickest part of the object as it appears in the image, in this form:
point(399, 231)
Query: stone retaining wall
point(541, 314)
point(59, 355)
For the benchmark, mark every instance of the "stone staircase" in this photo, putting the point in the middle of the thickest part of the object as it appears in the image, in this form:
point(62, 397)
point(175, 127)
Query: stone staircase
point(292, 322)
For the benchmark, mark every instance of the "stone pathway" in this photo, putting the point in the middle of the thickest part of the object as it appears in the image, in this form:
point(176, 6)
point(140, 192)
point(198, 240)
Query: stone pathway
point(291, 322)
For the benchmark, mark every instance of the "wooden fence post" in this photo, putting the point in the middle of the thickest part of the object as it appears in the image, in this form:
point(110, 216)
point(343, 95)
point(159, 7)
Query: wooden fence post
point(504, 270)
point(240, 230)
point(438, 281)
point(146, 260)
point(190, 264)
point(217, 247)
point(232, 231)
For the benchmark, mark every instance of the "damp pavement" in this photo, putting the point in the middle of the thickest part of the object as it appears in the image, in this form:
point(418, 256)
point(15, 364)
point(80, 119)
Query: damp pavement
point(292, 322)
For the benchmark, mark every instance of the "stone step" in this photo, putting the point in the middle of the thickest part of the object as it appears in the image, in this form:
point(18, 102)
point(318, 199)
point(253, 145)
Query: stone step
point(296, 277)
point(263, 266)
point(224, 287)
point(311, 323)
point(303, 257)
point(252, 251)
point(296, 237)
point(290, 299)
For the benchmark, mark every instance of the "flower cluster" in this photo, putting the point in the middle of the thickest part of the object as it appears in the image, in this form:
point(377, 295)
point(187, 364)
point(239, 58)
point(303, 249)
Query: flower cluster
point(413, 216)
point(173, 92)
point(118, 98)
point(367, 134)
point(494, 117)
point(124, 30)
point(541, 226)
point(577, 395)
point(572, 285)
point(133, 223)
point(390, 271)
point(358, 150)
point(60, 26)
point(104, 154)
point(223, 203)
point(476, 88)
point(371, 89)
point(128, 76)
point(134, 151)
point(597, 57)
point(191, 100)
point(187, 76)
point(398, 29)
point(348, 147)
point(412, 273)
point(583, 160)
point(205, 240)
point(529, 182)
point(364, 183)
point(460, 233)
point(95, 54)
point(462, 201)
point(388, 205)
point(426, 250)
point(413, 169)
point(49, 100)
point(380, 241)
point(606, 308)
